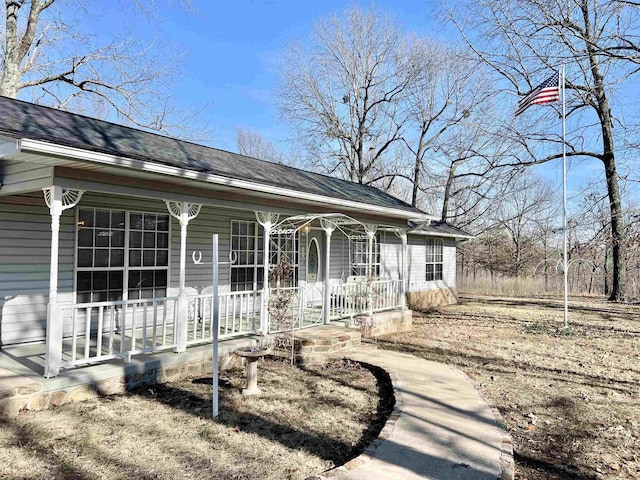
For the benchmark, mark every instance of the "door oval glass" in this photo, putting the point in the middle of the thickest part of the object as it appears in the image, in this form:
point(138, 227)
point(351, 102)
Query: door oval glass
point(313, 262)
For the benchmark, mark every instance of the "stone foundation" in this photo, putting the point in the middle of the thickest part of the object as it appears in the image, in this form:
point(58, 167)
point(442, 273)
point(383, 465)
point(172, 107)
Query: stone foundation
point(430, 299)
point(386, 323)
point(22, 393)
point(318, 344)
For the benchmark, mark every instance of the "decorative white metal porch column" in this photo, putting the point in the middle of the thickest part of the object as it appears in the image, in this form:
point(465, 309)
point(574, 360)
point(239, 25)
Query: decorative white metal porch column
point(267, 220)
point(328, 228)
point(371, 233)
point(402, 234)
point(58, 200)
point(184, 212)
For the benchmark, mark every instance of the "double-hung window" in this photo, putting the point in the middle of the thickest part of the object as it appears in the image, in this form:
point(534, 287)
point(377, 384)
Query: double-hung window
point(121, 255)
point(247, 254)
point(359, 254)
point(434, 259)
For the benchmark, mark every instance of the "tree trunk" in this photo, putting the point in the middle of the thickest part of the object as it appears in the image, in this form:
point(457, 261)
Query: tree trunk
point(608, 159)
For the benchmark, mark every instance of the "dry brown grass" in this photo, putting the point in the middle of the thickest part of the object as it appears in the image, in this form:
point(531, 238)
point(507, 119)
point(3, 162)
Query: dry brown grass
point(304, 422)
point(571, 399)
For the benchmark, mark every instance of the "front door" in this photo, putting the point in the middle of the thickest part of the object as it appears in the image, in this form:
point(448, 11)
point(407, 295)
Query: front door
point(315, 280)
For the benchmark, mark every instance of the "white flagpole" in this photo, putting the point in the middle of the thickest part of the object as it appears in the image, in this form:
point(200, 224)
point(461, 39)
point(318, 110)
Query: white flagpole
point(564, 205)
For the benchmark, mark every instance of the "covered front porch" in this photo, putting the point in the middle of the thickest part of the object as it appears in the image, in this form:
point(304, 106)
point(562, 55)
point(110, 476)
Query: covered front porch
point(84, 333)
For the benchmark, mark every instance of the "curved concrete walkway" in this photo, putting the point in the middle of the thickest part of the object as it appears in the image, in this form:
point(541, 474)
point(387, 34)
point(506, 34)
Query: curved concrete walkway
point(442, 427)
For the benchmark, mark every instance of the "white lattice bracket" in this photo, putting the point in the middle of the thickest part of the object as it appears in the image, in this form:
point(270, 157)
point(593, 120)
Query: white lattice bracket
point(267, 219)
point(176, 209)
point(70, 198)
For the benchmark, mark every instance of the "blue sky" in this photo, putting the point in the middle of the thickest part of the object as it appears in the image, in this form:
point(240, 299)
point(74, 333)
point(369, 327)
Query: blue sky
point(232, 49)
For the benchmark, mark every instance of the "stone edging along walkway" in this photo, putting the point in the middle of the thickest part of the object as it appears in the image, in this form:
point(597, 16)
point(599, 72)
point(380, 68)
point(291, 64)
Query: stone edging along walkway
point(362, 466)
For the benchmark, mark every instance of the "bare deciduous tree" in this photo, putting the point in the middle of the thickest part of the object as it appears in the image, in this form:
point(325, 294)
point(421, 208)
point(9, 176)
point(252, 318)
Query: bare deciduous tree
point(343, 93)
point(48, 58)
point(524, 41)
point(252, 144)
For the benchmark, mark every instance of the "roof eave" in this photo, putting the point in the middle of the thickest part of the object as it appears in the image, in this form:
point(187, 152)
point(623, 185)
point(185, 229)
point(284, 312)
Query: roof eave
point(47, 148)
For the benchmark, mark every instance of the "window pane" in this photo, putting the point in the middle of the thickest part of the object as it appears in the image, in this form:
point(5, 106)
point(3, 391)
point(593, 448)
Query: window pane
point(100, 296)
point(135, 221)
point(84, 281)
point(147, 278)
point(160, 292)
point(135, 239)
point(99, 280)
point(117, 220)
point(148, 258)
point(162, 258)
point(135, 258)
point(115, 295)
point(85, 257)
point(102, 238)
point(115, 280)
point(163, 223)
point(134, 294)
point(146, 293)
point(84, 297)
point(149, 221)
point(160, 278)
point(85, 237)
point(85, 217)
point(103, 218)
point(117, 258)
point(134, 279)
point(101, 258)
point(243, 228)
point(163, 240)
point(149, 240)
point(117, 238)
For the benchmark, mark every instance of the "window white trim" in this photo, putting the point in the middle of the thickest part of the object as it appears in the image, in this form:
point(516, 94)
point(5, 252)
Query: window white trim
point(125, 268)
point(434, 259)
point(358, 256)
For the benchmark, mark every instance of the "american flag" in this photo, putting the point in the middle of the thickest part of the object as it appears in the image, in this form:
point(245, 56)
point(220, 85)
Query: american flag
point(548, 91)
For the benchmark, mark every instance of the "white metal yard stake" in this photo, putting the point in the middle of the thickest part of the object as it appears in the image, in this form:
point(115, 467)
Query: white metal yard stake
point(216, 323)
point(564, 205)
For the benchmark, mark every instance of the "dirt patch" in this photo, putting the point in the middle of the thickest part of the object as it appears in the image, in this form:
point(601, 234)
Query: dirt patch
point(571, 399)
point(305, 421)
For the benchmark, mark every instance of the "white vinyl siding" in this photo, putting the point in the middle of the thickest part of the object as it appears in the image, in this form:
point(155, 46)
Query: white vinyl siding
point(417, 273)
point(25, 246)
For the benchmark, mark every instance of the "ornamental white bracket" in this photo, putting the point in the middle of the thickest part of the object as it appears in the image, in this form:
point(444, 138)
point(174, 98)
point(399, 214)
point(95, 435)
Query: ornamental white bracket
point(175, 209)
point(400, 232)
point(267, 219)
point(70, 198)
point(327, 225)
point(370, 229)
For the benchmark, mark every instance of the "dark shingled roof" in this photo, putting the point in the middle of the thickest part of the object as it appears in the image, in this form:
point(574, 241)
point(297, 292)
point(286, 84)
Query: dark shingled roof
point(20, 119)
point(439, 228)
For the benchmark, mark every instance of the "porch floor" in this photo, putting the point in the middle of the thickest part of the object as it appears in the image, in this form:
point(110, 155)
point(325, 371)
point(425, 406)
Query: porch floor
point(25, 363)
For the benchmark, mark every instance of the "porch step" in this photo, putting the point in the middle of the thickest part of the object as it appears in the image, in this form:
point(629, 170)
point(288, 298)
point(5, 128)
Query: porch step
point(316, 345)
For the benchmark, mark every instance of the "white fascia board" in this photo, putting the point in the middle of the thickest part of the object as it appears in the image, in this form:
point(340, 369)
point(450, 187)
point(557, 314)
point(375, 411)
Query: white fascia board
point(37, 146)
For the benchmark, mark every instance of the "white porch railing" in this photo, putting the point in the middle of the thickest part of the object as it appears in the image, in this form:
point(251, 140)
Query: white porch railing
point(239, 315)
point(105, 330)
point(357, 298)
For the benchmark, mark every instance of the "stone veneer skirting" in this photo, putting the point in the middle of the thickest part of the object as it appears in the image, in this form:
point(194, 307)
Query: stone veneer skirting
point(19, 393)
